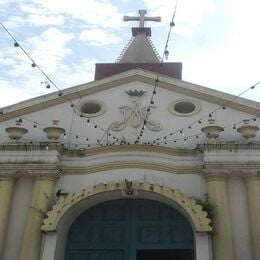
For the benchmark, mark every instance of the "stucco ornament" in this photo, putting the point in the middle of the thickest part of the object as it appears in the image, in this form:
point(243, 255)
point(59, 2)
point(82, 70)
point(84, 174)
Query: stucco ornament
point(135, 114)
point(193, 211)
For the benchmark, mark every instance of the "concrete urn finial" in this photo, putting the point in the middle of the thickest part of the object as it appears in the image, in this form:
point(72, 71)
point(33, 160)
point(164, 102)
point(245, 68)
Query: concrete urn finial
point(212, 131)
point(16, 133)
point(54, 132)
point(247, 130)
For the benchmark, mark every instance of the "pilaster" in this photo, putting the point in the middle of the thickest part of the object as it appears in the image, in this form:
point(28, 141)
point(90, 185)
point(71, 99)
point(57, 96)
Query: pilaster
point(253, 191)
point(222, 231)
point(41, 202)
point(6, 192)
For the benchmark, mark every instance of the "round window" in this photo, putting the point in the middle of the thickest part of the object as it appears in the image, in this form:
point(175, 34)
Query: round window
point(184, 107)
point(92, 108)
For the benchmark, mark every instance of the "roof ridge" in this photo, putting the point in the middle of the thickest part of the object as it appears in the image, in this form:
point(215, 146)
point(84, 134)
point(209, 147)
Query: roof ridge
point(153, 47)
point(125, 49)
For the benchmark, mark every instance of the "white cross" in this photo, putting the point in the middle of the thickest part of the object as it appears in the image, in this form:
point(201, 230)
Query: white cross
point(142, 18)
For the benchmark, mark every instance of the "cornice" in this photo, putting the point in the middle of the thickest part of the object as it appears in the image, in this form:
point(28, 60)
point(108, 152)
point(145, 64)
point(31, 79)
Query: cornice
point(32, 146)
point(31, 170)
point(229, 167)
point(131, 148)
point(212, 170)
point(229, 146)
point(130, 165)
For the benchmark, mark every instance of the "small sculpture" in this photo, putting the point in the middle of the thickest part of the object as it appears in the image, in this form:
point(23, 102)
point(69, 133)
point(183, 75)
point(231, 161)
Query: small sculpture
point(129, 190)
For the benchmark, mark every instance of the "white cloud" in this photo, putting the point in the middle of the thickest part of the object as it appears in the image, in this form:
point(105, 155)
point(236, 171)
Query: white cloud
point(95, 12)
point(14, 22)
point(43, 20)
point(49, 49)
point(98, 37)
point(189, 13)
point(232, 66)
point(12, 94)
point(82, 72)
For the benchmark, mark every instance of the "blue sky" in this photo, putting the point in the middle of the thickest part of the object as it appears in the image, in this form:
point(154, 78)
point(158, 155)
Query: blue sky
point(217, 41)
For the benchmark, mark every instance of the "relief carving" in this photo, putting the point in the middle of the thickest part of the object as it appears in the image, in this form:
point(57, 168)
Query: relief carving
point(135, 115)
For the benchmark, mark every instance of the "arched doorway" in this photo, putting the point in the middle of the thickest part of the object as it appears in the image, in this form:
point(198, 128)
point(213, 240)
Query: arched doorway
point(130, 229)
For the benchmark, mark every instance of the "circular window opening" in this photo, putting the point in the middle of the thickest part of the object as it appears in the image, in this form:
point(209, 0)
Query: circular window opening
point(184, 107)
point(91, 108)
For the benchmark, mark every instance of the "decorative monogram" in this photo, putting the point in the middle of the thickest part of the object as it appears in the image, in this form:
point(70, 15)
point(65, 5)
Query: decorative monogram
point(135, 115)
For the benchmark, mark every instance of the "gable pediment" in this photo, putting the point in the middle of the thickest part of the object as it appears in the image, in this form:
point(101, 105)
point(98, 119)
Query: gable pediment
point(123, 115)
point(169, 83)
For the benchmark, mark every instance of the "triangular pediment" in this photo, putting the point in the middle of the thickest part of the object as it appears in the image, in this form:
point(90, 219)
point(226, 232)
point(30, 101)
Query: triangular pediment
point(121, 112)
point(140, 75)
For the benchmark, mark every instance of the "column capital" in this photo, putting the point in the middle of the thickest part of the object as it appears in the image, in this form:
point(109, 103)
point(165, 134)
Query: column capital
point(8, 178)
point(29, 170)
point(252, 175)
point(215, 174)
point(216, 177)
point(46, 177)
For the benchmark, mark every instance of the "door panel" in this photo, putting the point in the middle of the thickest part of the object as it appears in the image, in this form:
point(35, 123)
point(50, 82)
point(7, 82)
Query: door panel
point(96, 255)
point(117, 230)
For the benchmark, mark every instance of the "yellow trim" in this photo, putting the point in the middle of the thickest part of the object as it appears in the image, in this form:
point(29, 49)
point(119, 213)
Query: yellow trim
point(39, 205)
point(223, 237)
point(253, 195)
point(6, 193)
point(194, 211)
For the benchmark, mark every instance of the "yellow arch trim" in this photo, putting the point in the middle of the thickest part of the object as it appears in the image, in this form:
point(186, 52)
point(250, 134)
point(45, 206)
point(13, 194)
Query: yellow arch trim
point(194, 211)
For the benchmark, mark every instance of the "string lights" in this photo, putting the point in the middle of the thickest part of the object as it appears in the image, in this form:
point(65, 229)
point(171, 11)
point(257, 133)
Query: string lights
point(48, 81)
point(165, 55)
point(224, 106)
point(157, 141)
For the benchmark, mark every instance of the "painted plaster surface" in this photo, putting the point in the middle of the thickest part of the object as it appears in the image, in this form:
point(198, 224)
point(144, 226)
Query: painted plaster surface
point(239, 218)
point(18, 213)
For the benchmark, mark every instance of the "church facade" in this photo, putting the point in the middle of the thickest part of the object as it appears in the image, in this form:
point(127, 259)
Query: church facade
point(137, 164)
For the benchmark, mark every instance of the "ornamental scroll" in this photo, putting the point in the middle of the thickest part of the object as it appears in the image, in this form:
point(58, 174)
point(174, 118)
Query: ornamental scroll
point(135, 115)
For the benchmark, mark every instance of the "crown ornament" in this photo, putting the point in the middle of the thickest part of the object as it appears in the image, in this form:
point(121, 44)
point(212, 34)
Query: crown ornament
point(135, 93)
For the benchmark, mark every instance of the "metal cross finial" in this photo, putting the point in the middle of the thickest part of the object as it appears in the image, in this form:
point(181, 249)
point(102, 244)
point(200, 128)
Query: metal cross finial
point(142, 18)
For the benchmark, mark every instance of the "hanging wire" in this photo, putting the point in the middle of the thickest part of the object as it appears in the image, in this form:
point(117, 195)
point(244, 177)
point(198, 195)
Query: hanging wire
point(172, 24)
point(106, 131)
point(48, 79)
point(223, 106)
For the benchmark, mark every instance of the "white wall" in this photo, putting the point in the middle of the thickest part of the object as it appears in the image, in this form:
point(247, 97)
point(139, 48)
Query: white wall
point(189, 184)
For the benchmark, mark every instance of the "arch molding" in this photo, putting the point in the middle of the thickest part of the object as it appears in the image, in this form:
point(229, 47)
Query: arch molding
point(194, 211)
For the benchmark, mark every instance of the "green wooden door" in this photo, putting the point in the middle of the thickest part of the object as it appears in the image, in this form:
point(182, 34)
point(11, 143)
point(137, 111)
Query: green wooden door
point(130, 229)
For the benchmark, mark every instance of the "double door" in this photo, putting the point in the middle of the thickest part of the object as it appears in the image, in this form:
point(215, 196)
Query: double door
point(130, 229)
